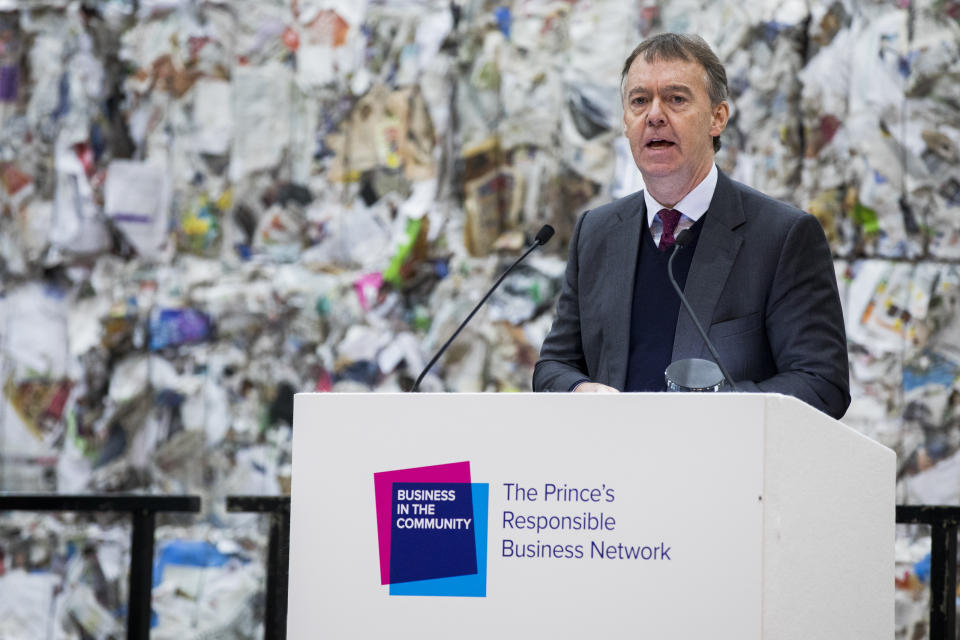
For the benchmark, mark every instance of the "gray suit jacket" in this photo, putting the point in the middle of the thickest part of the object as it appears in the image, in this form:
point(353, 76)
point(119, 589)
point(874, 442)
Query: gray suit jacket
point(762, 282)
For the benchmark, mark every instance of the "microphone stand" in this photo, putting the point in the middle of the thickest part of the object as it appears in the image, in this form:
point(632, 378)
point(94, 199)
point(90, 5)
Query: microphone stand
point(680, 241)
point(545, 233)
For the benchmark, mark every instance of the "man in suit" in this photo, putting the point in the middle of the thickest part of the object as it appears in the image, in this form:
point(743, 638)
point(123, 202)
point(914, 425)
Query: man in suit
point(758, 272)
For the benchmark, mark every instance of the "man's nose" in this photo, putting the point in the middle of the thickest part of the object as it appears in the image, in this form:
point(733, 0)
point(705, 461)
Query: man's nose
point(655, 117)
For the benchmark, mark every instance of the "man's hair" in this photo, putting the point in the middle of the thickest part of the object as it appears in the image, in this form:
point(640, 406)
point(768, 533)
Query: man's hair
point(690, 48)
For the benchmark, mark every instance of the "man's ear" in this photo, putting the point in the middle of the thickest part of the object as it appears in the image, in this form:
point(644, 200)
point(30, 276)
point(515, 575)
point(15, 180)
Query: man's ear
point(721, 115)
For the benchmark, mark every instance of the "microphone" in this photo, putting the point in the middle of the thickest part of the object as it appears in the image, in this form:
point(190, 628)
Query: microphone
point(543, 236)
point(689, 369)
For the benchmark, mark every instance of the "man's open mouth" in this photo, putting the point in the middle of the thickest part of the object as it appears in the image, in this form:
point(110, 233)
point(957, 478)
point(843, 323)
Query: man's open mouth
point(659, 144)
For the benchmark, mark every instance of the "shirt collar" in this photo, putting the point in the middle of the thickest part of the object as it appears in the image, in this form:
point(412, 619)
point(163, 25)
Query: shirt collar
point(693, 205)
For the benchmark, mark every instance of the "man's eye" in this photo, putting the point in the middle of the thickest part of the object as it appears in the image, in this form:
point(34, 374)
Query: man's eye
point(678, 99)
point(639, 101)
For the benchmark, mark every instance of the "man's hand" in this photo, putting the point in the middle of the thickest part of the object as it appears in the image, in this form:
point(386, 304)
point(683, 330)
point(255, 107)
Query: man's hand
point(594, 387)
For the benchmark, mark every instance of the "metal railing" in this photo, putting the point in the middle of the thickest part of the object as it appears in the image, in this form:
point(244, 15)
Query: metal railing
point(944, 522)
point(142, 510)
point(278, 557)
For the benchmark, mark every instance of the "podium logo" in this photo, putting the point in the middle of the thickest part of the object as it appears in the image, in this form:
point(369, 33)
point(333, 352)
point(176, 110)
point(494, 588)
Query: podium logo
point(432, 529)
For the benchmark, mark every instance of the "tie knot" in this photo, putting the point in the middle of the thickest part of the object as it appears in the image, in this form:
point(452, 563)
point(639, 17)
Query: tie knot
point(670, 218)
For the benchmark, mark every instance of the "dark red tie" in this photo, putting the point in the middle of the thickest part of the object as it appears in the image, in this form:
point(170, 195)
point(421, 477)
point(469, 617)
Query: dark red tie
point(670, 218)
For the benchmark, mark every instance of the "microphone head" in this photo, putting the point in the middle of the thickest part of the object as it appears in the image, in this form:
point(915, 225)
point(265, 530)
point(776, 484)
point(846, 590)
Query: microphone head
point(543, 236)
point(683, 238)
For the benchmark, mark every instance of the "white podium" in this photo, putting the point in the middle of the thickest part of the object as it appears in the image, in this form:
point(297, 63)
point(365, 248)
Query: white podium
point(587, 516)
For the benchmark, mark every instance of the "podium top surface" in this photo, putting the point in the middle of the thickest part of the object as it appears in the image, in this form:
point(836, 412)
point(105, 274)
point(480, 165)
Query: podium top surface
point(528, 404)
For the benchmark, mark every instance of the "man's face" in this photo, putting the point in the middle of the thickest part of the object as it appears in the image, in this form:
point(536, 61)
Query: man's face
point(669, 120)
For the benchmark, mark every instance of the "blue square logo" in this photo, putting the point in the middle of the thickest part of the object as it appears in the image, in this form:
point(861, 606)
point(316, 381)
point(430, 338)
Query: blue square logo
point(433, 531)
point(468, 586)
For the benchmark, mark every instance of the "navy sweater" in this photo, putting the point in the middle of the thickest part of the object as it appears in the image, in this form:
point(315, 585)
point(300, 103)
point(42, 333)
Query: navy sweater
point(653, 317)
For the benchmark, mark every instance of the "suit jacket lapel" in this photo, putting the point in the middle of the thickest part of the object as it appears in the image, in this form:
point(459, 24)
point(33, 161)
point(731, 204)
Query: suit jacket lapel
point(620, 266)
point(716, 251)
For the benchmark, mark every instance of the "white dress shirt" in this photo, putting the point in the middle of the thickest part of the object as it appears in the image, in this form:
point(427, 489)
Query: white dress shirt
point(692, 206)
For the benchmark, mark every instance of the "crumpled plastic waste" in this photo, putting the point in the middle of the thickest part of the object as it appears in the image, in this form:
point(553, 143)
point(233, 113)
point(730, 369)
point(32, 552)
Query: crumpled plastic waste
point(208, 207)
